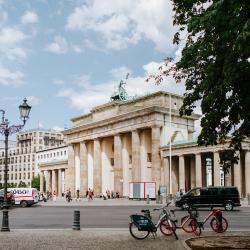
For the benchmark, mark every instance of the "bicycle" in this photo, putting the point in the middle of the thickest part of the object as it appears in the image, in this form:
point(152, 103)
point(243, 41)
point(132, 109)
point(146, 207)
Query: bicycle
point(218, 223)
point(142, 225)
point(188, 223)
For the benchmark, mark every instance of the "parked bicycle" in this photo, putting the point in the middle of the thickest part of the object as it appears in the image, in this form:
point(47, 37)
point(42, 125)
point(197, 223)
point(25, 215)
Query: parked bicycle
point(142, 225)
point(218, 223)
point(189, 223)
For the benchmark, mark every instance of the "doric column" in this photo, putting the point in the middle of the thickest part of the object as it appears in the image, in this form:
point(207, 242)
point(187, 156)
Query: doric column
point(192, 171)
point(59, 182)
point(84, 166)
point(237, 175)
point(77, 167)
point(228, 177)
point(118, 164)
point(181, 172)
point(156, 159)
point(125, 167)
point(136, 170)
point(198, 176)
point(216, 171)
point(70, 173)
point(97, 167)
point(247, 172)
point(166, 173)
point(54, 186)
point(41, 182)
point(48, 181)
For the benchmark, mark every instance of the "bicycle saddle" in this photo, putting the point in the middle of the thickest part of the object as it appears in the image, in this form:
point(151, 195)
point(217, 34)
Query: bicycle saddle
point(145, 211)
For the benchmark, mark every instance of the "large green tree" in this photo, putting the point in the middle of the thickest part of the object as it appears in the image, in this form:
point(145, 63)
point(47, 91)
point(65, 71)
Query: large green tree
point(215, 66)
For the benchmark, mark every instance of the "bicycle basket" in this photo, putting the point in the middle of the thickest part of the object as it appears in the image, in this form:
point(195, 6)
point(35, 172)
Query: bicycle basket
point(142, 222)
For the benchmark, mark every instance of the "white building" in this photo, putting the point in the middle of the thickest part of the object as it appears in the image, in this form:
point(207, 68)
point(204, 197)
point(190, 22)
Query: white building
point(22, 157)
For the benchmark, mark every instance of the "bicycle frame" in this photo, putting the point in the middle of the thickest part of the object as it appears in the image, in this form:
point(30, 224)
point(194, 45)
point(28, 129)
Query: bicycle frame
point(212, 213)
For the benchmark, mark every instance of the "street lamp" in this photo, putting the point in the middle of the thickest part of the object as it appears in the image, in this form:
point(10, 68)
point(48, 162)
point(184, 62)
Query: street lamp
point(7, 130)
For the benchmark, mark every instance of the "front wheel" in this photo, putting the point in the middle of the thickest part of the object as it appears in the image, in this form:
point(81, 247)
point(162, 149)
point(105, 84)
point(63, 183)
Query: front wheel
point(134, 231)
point(219, 227)
point(166, 228)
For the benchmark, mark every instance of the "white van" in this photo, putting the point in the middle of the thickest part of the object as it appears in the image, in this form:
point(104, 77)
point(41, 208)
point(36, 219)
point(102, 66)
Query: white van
point(25, 196)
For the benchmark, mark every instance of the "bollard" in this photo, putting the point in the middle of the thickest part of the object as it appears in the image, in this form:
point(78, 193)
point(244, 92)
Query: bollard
point(161, 199)
point(76, 222)
point(148, 199)
point(248, 198)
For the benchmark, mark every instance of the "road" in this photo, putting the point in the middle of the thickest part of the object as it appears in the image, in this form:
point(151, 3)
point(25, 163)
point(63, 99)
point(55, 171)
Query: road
point(59, 217)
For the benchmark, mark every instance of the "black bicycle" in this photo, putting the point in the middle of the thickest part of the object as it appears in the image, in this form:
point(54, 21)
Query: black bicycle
point(142, 225)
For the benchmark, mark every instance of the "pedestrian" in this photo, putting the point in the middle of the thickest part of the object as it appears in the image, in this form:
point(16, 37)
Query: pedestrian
point(69, 196)
point(77, 195)
point(54, 195)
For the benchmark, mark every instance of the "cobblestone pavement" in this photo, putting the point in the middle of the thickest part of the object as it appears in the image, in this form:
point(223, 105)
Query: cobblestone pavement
point(94, 239)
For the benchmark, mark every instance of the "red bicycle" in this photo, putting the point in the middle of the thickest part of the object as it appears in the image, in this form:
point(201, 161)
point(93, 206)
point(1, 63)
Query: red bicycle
point(218, 223)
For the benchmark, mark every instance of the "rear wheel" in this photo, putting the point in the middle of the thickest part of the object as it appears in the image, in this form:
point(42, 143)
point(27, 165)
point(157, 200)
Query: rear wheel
point(229, 206)
point(196, 228)
point(219, 227)
point(24, 203)
point(166, 229)
point(134, 231)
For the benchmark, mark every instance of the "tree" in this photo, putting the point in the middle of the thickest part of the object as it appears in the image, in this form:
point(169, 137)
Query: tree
point(35, 183)
point(215, 67)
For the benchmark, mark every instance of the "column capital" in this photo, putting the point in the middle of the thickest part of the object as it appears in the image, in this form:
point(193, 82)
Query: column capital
point(156, 126)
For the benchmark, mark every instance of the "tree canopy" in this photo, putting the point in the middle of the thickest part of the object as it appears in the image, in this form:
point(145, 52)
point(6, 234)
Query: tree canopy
point(215, 66)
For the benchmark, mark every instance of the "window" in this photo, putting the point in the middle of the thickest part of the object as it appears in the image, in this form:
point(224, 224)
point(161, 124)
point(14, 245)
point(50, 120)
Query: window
point(130, 159)
point(149, 157)
point(195, 192)
point(112, 161)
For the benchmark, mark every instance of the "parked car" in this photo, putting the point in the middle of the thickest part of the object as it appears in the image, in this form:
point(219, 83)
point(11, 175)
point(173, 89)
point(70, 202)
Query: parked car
point(227, 197)
point(10, 198)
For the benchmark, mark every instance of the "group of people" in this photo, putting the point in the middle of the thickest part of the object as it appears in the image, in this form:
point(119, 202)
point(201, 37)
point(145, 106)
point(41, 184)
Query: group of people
point(89, 195)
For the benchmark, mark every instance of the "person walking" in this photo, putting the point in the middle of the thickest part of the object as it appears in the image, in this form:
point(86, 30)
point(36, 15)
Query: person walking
point(77, 195)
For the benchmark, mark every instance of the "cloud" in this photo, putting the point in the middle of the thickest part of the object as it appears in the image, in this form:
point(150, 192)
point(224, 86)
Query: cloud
point(121, 72)
point(9, 77)
point(10, 35)
point(120, 23)
point(86, 95)
point(29, 17)
point(58, 46)
point(58, 82)
point(57, 128)
point(11, 48)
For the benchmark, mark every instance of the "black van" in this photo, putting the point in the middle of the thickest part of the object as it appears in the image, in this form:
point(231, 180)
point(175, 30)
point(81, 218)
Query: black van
point(227, 197)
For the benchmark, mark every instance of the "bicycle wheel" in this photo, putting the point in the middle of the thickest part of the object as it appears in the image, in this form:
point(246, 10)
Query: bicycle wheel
point(187, 227)
point(134, 231)
point(219, 227)
point(166, 229)
point(195, 227)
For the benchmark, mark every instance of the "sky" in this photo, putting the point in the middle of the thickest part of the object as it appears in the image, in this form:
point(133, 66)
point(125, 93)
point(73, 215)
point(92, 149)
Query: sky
point(68, 56)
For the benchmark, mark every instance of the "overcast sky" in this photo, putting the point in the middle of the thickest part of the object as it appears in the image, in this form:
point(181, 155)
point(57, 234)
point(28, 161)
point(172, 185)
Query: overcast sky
point(68, 56)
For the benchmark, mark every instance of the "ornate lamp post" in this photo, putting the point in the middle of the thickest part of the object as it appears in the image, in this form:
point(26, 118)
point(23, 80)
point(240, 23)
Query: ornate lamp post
point(7, 130)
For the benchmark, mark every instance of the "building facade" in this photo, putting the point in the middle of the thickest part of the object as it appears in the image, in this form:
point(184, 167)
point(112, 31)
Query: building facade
point(52, 164)
point(199, 166)
point(22, 157)
point(119, 142)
